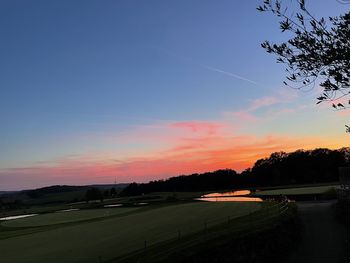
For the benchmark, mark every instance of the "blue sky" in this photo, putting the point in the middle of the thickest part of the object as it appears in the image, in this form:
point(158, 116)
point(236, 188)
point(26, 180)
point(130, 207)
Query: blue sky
point(77, 76)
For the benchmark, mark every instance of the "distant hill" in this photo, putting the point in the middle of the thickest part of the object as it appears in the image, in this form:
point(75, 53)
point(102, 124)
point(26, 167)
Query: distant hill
point(54, 194)
point(70, 188)
point(55, 189)
point(7, 192)
point(108, 186)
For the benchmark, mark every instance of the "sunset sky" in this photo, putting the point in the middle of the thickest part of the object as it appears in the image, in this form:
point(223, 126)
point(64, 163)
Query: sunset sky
point(141, 90)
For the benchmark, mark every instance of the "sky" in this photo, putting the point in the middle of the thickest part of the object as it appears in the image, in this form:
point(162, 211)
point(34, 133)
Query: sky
point(98, 91)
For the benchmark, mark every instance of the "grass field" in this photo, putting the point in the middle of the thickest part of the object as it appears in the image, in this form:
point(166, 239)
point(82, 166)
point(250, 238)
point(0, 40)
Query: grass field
point(57, 197)
point(66, 217)
point(86, 242)
point(297, 191)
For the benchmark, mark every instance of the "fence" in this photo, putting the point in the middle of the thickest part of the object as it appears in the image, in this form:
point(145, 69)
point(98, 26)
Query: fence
point(343, 192)
point(206, 230)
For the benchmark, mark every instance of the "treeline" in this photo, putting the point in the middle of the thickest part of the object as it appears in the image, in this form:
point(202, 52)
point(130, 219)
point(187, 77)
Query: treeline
point(37, 193)
point(56, 189)
point(299, 167)
point(95, 193)
point(280, 168)
point(184, 183)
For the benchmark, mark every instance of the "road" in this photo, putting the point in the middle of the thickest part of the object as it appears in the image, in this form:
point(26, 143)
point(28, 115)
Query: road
point(324, 239)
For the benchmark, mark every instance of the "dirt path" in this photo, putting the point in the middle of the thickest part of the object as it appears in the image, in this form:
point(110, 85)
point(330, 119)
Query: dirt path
point(324, 239)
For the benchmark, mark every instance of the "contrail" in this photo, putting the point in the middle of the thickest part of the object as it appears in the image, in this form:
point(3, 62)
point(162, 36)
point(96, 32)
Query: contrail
point(228, 73)
point(192, 61)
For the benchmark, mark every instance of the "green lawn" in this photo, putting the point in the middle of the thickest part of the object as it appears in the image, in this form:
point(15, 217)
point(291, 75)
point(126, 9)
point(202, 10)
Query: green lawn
point(297, 191)
point(66, 217)
point(85, 242)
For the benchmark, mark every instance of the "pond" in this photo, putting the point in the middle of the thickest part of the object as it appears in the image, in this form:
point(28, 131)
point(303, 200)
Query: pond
point(113, 205)
point(230, 199)
point(232, 196)
point(231, 193)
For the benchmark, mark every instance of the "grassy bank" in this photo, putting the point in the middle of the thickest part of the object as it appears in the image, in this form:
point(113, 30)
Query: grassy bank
point(258, 237)
point(297, 190)
point(342, 210)
point(324, 192)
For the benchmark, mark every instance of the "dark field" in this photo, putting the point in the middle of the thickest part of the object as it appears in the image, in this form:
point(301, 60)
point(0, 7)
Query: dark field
point(84, 236)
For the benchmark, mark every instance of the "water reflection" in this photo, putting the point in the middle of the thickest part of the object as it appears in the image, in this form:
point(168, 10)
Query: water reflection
point(16, 217)
point(113, 205)
point(226, 194)
point(230, 199)
point(232, 196)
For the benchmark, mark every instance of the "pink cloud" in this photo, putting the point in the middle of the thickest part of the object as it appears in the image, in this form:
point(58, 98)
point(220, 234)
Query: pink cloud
point(247, 115)
point(164, 148)
point(186, 154)
point(199, 126)
point(243, 116)
point(280, 113)
point(284, 95)
point(262, 102)
point(345, 112)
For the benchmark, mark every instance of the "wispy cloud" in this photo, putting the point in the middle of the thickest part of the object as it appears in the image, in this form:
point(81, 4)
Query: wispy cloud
point(244, 116)
point(230, 74)
point(262, 102)
point(344, 113)
point(249, 113)
point(199, 126)
point(282, 96)
point(205, 66)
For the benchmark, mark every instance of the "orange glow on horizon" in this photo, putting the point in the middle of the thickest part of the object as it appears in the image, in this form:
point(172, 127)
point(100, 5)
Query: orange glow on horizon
point(186, 158)
point(186, 148)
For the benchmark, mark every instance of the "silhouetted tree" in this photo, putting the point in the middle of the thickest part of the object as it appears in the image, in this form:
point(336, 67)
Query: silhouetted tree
point(319, 165)
point(221, 179)
point(346, 153)
point(280, 168)
point(319, 49)
point(93, 194)
point(40, 192)
point(106, 193)
point(113, 192)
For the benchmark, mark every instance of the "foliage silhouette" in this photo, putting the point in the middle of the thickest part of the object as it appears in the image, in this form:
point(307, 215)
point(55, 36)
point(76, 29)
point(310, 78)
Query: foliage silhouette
point(280, 168)
point(94, 194)
point(319, 50)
